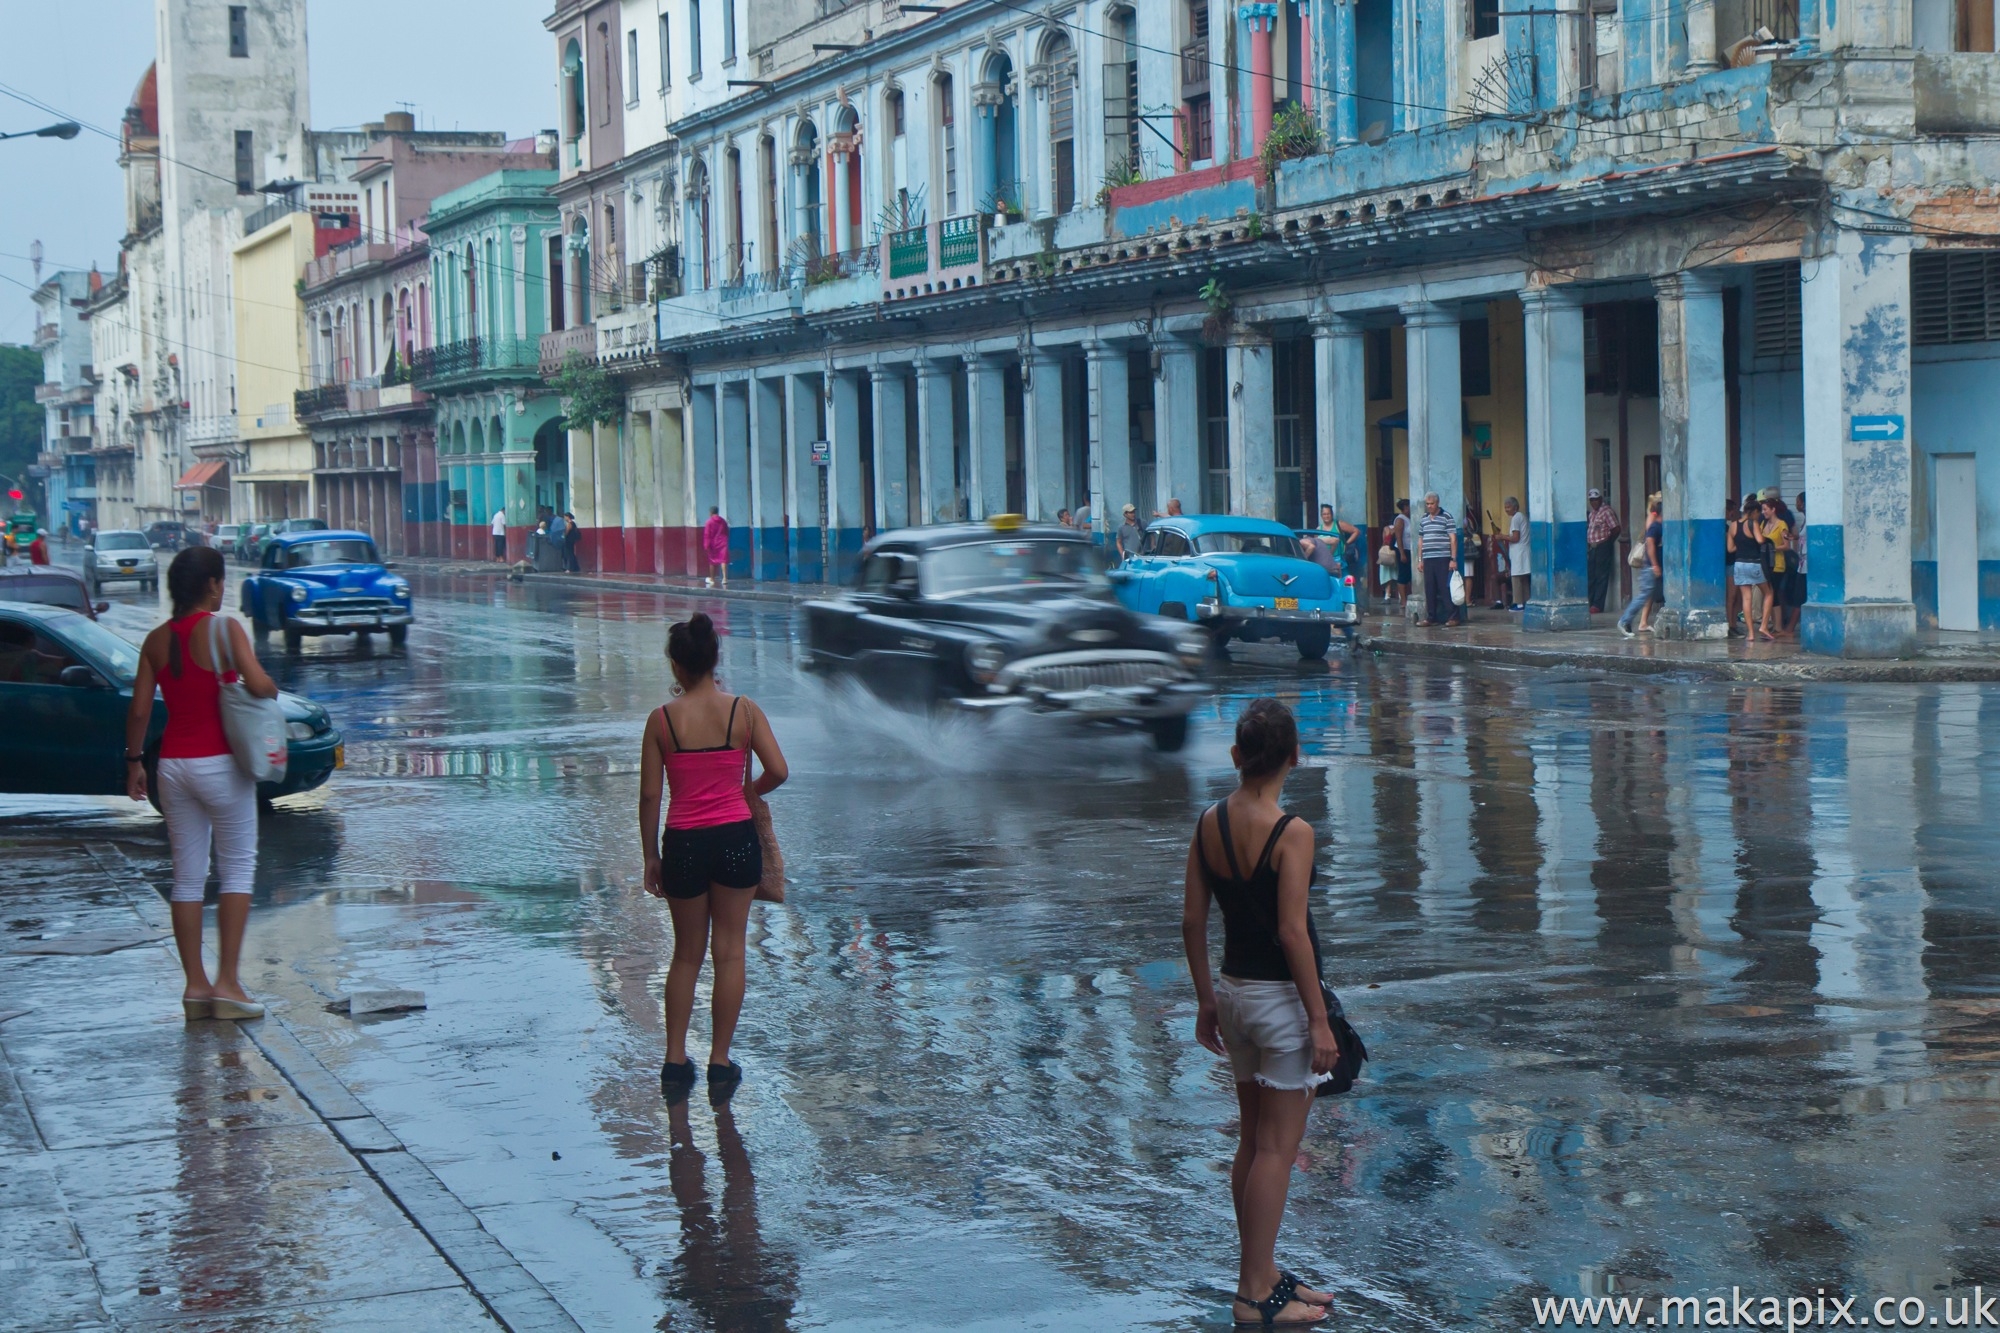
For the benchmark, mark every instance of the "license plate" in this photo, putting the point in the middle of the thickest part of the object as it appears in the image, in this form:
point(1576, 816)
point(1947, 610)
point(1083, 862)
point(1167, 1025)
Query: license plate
point(1288, 604)
point(340, 756)
point(354, 620)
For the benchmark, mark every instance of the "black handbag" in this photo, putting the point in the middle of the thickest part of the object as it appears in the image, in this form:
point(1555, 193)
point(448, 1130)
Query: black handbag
point(1353, 1052)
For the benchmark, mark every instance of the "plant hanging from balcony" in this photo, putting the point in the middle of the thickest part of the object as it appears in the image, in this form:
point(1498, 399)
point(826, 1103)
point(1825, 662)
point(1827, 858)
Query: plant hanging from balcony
point(1294, 134)
point(588, 397)
point(1215, 296)
point(1123, 171)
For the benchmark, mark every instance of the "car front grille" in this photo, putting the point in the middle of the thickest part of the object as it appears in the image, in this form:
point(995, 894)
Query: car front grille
point(1070, 672)
point(352, 606)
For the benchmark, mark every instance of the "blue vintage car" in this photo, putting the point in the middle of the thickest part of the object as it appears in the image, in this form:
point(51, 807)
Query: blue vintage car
point(1238, 578)
point(325, 583)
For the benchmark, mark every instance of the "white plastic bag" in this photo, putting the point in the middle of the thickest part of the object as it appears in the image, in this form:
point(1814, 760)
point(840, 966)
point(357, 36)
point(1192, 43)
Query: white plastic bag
point(1457, 588)
point(255, 727)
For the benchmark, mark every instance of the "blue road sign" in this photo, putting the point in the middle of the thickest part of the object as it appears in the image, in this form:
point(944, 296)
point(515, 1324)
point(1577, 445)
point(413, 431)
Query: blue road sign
point(1874, 428)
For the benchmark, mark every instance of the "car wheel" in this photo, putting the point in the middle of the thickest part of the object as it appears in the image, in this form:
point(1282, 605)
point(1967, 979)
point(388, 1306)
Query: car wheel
point(399, 635)
point(1218, 641)
point(1169, 733)
point(1313, 642)
point(293, 640)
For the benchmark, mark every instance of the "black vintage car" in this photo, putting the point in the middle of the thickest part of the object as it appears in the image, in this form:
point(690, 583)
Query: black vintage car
point(996, 616)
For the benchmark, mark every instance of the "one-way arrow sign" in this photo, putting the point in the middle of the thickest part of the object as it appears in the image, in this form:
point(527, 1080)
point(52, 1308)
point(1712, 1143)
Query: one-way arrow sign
point(1875, 428)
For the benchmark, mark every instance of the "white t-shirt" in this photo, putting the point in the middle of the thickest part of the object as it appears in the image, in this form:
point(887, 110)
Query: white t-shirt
point(1518, 563)
point(499, 523)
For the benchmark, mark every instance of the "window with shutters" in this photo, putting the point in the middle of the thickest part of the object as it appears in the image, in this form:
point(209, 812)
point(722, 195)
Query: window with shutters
point(1121, 97)
point(666, 54)
point(246, 163)
point(632, 67)
point(1955, 297)
point(1060, 59)
point(694, 39)
point(947, 143)
point(1775, 313)
point(239, 32)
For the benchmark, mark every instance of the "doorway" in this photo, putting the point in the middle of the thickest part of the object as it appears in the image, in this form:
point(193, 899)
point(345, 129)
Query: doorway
point(1957, 541)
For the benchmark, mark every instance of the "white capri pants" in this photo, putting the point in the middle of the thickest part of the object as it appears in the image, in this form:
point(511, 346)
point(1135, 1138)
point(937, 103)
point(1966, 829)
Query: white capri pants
point(204, 797)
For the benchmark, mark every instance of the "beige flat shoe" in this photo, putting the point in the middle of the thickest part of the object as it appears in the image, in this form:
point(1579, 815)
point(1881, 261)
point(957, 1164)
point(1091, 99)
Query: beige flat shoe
point(236, 1009)
point(196, 1010)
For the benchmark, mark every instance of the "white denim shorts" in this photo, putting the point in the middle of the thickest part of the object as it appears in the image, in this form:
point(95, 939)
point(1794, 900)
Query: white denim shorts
point(1267, 1033)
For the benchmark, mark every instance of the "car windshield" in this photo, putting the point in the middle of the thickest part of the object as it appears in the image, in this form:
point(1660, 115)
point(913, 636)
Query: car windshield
point(953, 571)
point(122, 541)
point(339, 551)
point(45, 591)
point(1247, 543)
point(106, 647)
point(303, 525)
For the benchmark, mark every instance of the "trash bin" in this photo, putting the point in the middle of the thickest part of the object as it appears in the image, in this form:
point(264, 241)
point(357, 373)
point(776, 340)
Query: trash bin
point(544, 554)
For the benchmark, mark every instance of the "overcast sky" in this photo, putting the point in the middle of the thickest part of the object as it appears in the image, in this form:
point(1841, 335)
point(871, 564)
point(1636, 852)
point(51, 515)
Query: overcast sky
point(465, 64)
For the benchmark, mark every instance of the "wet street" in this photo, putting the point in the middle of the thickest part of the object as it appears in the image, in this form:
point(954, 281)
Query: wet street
point(1671, 988)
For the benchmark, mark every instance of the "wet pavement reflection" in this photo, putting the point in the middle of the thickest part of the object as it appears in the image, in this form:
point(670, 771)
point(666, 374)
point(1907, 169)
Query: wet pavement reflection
point(1671, 987)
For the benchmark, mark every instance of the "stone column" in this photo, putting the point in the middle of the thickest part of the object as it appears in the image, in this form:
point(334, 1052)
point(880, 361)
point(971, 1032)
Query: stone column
point(843, 235)
point(1252, 439)
point(1261, 16)
point(1855, 326)
point(1042, 434)
point(1694, 456)
point(1701, 54)
point(767, 479)
point(1347, 107)
point(1110, 433)
point(1558, 482)
point(643, 497)
point(892, 448)
point(610, 498)
point(805, 536)
point(1177, 425)
point(937, 459)
point(733, 471)
point(1308, 62)
point(1340, 421)
point(986, 406)
point(843, 483)
point(583, 495)
point(1437, 418)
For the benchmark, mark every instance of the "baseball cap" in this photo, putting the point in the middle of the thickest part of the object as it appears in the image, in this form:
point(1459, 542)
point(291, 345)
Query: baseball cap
point(1131, 509)
point(1596, 494)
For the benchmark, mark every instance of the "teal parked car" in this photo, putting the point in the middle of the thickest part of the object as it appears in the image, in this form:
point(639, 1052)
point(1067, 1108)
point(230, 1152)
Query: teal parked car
point(1238, 579)
point(65, 685)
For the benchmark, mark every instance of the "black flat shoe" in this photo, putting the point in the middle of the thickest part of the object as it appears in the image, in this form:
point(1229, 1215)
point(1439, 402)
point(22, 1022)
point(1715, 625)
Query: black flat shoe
point(723, 1081)
point(676, 1081)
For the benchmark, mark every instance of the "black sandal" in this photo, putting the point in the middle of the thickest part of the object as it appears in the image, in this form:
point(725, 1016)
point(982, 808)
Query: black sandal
point(1297, 1282)
point(1284, 1293)
point(676, 1081)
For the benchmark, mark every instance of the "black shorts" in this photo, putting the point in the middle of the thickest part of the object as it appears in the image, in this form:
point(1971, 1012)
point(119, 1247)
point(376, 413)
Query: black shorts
point(691, 859)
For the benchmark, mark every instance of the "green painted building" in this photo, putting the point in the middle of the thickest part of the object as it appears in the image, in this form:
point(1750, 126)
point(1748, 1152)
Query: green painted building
point(499, 434)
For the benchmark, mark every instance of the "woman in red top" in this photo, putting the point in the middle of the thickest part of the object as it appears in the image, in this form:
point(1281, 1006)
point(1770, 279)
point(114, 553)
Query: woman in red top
point(708, 863)
point(203, 793)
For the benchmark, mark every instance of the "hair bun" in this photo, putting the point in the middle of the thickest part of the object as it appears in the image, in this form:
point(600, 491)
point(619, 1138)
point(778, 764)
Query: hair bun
point(692, 645)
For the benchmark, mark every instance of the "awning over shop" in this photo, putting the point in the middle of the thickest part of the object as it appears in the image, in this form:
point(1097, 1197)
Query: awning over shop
point(200, 476)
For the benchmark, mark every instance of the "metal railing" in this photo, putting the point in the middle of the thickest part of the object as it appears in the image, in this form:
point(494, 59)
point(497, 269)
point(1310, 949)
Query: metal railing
point(757, 284)
point(909, 252)
point(958, 241)
point(319, 401)
point(270, 213)
point(470, 356)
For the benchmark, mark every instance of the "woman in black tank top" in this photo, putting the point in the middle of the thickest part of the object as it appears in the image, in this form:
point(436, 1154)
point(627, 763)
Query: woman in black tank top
point(1267, 1013)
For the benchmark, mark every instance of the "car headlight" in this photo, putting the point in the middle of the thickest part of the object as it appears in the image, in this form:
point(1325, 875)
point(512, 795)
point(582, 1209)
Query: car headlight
point(984, 661)
point(299, 731)
point(400, 590)
point(298, 594)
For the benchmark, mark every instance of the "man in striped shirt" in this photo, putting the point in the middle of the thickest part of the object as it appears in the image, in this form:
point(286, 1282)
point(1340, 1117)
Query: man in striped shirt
point(1437, 554)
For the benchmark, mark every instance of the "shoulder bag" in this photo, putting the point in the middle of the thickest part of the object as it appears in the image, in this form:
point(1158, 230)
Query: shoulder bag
point(255, 727)
point(771, 888)
point(1353, 1052)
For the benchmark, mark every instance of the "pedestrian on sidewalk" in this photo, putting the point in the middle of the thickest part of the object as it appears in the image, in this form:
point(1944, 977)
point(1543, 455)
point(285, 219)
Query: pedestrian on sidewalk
point(1645, 576)
point(571, 535)
point(715, 546)
point(1405, 544)
point(1787, 588)
point(708, 862)
point(1601, 539)
point(500, 535)
point(203, 793)
point(1437, 552)
point(1129, 533)
point(1746, 563)
point(1520, 564)
point(1267, 1013)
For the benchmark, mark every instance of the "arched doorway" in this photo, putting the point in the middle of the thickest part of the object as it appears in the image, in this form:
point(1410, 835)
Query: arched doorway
point(552, 467)
point(999, 169)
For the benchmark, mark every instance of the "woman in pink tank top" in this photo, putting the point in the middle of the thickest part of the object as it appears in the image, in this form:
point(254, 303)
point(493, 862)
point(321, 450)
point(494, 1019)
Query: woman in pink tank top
point(708, 862)
point(205, 795)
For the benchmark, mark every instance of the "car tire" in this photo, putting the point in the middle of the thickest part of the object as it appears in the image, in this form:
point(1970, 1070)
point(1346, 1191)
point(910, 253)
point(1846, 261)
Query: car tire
point(1313, 642)
point(1169, 733)
point(1218, 641)
point(294, 640)
point(398, 635)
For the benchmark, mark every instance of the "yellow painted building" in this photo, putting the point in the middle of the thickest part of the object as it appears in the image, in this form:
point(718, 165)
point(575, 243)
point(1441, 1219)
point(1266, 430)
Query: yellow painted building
point(275, 479)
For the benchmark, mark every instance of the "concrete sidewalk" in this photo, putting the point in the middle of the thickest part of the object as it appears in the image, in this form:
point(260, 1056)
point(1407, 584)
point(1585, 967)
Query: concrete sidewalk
point(205, 1175)
point(1496, 637)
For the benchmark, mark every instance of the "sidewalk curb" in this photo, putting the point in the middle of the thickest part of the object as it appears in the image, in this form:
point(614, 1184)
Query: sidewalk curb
point(613, 582)
point(510, 1293)
point(1796, 672)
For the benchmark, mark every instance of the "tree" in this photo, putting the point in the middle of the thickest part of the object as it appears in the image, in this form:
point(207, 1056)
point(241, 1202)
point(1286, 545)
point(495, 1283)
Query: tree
point(21, 417)
point(589, 398)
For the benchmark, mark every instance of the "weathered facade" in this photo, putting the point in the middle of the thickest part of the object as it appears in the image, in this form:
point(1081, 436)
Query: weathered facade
point(68, 396)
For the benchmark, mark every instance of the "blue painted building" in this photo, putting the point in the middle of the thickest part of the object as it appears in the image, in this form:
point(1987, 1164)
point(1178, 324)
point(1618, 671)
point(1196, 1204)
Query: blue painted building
point(68, 398)
point(1260, 256)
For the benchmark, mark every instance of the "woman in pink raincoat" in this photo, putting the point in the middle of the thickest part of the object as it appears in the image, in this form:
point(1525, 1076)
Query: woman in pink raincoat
point(715, 545)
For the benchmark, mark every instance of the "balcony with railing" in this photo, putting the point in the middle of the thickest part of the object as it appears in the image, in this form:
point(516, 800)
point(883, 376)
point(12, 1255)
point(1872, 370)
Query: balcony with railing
point(46, 334)
point(318, 402)
point(472, 358)
point(630, 335)
point(346, 259)
point(558, 347)
point(936, 257)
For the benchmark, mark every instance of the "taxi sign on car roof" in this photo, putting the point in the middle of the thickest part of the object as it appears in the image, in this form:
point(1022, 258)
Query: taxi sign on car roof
point(1006, 522)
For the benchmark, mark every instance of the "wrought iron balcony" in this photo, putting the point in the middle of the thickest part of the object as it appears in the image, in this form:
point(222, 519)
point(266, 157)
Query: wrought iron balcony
point(909, 252)
point(309, 403)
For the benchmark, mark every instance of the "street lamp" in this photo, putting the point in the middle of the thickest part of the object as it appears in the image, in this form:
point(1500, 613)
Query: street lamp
point(67, 129)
